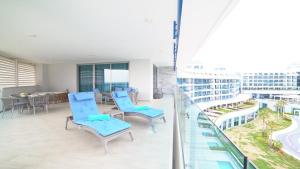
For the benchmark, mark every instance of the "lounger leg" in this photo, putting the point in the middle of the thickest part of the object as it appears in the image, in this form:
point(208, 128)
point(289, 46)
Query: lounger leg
point(164, 119)
point(12, 111)
point(67, 120)
point(152, 126)
point(3, 111)
point(131, 136)
point(28, 108)
point(105, 146)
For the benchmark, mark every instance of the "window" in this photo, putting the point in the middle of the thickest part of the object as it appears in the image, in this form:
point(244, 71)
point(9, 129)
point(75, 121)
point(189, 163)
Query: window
point(105, 77)
point(15, 73)
point(224, 125)
point(243, 120)
point(85, 78)
point(236, 121)
point(229, 123)
point(102, 81)
point(7, 72)
point(119, 76)
point(26, 74)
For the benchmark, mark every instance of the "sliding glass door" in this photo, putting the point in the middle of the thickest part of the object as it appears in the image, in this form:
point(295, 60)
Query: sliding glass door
point(85, 78)
point(105, 77)
point(102, 77)
point(119, 76)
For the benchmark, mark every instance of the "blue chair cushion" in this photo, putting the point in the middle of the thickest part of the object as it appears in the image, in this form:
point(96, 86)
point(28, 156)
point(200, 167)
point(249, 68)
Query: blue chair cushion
point(83, 107)
point(83, 96)
point(142, 108)
point(125, 104)
point(98, 117)
point(96, 90)
point(121, 94)
point(107, 127)
point(150, 112)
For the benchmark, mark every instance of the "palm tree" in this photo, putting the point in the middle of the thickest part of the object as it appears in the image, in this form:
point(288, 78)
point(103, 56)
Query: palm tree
point(264, 114)
point(280, 104)
point(272, 125)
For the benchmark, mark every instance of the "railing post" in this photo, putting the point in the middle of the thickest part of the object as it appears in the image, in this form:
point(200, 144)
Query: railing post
point(245, 162)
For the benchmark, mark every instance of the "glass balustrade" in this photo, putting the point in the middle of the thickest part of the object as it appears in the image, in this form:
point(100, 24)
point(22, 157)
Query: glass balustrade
point(204, 145)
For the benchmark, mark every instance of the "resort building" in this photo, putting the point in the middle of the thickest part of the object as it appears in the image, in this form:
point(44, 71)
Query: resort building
point(209, 86)
point(218, 92)
point(272, 84)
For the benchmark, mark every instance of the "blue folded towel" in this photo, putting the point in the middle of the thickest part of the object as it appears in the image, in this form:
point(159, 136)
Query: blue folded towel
point(99, 117)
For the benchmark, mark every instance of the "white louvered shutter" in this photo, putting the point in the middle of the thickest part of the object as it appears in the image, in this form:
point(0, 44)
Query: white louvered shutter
point(26, 74)
point(7, 72)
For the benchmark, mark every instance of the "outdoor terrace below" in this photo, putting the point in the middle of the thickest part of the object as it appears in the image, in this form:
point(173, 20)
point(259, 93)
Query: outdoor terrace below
point(40, 141)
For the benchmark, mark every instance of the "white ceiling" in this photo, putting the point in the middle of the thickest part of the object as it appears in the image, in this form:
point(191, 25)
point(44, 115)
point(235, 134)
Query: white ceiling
point(200, 19)
point(83, 31)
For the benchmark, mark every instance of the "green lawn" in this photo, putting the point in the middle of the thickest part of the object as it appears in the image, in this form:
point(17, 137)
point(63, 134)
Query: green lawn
point(245, 105)
point(224, 110)
point(251, 141)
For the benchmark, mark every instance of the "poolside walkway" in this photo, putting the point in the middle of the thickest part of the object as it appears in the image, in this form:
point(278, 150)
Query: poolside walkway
point(290, 138)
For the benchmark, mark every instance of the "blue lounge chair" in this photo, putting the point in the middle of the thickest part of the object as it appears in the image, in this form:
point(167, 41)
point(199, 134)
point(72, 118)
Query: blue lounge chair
point(84, 108)
point(125, 105)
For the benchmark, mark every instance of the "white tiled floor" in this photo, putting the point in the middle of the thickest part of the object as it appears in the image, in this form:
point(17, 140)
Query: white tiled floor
point(40, 142)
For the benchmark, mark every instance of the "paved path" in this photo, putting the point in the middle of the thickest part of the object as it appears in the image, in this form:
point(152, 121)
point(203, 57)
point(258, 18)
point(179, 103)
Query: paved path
point(290, 138)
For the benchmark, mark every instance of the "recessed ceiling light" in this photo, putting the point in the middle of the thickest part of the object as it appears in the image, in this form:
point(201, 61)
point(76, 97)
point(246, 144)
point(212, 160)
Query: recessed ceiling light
point(148, 20)
point(32, 35)
point(91, 55)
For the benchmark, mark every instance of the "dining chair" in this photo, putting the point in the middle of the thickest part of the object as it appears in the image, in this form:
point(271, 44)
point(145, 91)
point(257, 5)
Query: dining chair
point(5, 101)
point(39, 101)
point(13, 103)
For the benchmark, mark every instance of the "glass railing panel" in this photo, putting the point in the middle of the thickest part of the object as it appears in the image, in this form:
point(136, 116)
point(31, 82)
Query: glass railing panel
point(204, 144)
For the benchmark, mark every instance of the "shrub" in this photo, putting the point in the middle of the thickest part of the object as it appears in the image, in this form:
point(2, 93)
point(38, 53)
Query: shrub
point(249, 125)
point(287, 117)
point(277, 145)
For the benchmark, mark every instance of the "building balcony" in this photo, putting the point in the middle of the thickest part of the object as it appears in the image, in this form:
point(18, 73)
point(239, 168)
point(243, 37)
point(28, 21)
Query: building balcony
point(41, 141)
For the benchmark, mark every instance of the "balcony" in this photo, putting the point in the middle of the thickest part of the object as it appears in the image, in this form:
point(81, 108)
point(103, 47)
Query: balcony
point(56, 42)
point(40, 141)
point(202, 144)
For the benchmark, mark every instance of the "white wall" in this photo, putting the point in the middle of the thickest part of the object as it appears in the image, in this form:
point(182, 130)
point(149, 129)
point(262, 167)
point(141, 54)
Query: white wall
point(64, 76)
point(141, 77)
point(41, 76)
point(167, 79)
point(61, 77)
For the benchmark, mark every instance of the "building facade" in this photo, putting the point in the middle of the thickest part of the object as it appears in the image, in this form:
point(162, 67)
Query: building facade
point(271, 81)
point(271, 85)
point(202, 86)
point(213, 89)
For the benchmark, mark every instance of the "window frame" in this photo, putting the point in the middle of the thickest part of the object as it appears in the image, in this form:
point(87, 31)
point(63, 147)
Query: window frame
point(94, 72)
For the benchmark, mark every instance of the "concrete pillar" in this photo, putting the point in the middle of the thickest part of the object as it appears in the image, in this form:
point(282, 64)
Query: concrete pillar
point(141, 77)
